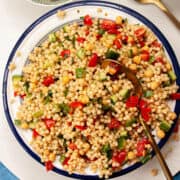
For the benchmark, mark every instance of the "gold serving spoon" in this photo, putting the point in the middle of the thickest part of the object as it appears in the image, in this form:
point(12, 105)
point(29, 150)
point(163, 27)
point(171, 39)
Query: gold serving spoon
point(163, 7)
point(130, 75)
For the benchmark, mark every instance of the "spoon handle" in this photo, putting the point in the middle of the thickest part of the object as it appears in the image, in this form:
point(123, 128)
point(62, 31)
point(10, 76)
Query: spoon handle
point(159, 155)
point(168, 13)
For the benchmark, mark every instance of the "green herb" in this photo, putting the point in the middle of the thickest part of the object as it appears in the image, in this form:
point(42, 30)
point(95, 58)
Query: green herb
point(114, 99)
point(106, 149)
point(64, 108)
point(151, 59)
point(38, 114)
point(60, 136)
point(110, 54)
point(148, 93)
point(124, 134)
point(121, 142)
point(131, 122)
point(67, 38)
point(144, 159)
point(26, 86)
point(66, 92)
point(80, 72)
point(165, 126)
point(124, 93)
point(82, 17)
point(62, 158)
point(74, 41)
point(130, 53)
point(101, 31)
point(48, 98)
point(17, 122)
point(166, 83)
point(107, 108)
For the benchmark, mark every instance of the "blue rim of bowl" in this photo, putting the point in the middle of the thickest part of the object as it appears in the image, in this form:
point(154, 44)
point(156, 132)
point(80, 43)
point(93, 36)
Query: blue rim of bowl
point(91, 3)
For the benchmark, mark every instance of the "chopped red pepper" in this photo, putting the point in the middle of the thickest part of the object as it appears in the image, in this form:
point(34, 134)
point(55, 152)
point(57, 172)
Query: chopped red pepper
point(114, 123)
point(124, 39)
point(175, 96)
point(65, 162)
point(159, 60)
point(80, 39)
point(155, 43)
point(15, 93)
point(113, 31)
point(48, 80)
point(49, 165)
point(117, 43)
point(35, 134)
point(145, 55)
point(132, 101)
point(49, 122)
point(145, 113)
point(140, 148)
point(22, 96)
point(139, 33)
point(141, 43)
point(108, 25)
point(88, 20)
point(93, 60)
point(80, 127)
point(119, 156)
point(87, 32)
point(143, 104)
point(98, 36)
point(76, 104)
point(72, 146)
point(65, 53)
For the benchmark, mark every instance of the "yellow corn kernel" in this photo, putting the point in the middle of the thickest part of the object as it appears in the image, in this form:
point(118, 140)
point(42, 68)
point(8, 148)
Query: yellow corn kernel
point(168, 66)
point(52, 157)
point(46, 152)
point(148, 73)
point(135, 50)
point(154, 85)
point(160, 133)
point(131, 155)
point(145, 48)
point(137, 59)
point(133, 67)
point(24, 125)
point(89, 46)
point(65, 80)
point(84, 99)
point(119, 20)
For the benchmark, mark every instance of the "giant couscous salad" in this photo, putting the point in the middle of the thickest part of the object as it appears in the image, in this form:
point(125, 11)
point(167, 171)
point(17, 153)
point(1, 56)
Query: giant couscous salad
point(86, 116)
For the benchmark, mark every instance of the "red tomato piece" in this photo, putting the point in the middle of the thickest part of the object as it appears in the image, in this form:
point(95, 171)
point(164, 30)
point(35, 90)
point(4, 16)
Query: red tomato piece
point(48, 80)
point(114, 123)
point(22, 96)
point(88, 20)
point(139, 33)
point(108, 25)
point(66, 160)
point(65, 53)
point(49, 122)
point(98, 36)
point(113, 31)
point(76, 104)
point(145, 55)
point(93, 60)
point(49, 165)
point(117, 43)
point(145, 113)
point(80, 39)
point(143, 104)
point(159, 60)
point(141, 146)
point(175, 96)
point(132, 101)
point(141, 43)
point(35, 134)
point(72, 146)
point(124, 39)
point(87, 32)
point(119, 156)
point(155, 43)
point(80, 127)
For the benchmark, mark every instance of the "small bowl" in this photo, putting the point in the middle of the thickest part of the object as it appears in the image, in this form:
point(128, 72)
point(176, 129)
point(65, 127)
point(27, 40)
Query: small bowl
point(48, 2)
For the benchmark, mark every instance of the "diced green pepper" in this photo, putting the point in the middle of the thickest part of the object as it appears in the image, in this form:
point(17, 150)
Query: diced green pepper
point(114, 99)
point(121, 142)
point(52, 37)
point(106, 149)
point(26, 87)
point(48, 98)
point(124, 134)
point(17, 122)
point(81, 53)
point(66, 92)
point(165, 126)
point(148, 93)
point(74, 40)
point(151, 59)
point(172, 75)
point(107, 108)
point(80, 72)
point(101, 31)
point(131, 122)
point(124, 93)
point(130, 53)
point(144, 159)
point(62, 158)
point(16, 79)
point(102, 76)
point(65, 28)
point(110, 54)
point(38, 114)
point(64, 108)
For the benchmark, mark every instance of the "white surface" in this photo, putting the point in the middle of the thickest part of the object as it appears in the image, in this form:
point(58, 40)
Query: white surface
point(15, 16)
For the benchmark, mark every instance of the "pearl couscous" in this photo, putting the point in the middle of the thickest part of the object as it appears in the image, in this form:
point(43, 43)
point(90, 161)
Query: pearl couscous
point(84, 115)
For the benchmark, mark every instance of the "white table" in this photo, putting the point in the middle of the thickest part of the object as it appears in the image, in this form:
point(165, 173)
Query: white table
point(16, 15)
